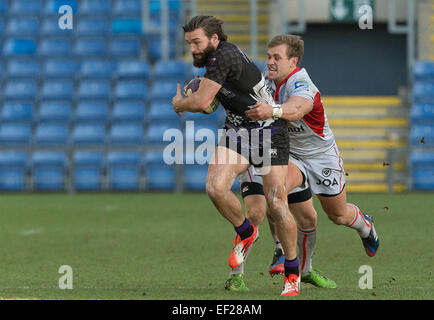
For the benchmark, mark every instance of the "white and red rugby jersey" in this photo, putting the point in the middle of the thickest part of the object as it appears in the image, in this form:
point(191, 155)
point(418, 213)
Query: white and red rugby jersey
point(311, 135)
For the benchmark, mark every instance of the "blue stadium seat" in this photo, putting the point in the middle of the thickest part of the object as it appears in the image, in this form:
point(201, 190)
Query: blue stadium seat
point(96, 68)
point(155, 6)
point(60, 68)
point(417, 132)
point(127, 7)
point(124, 170)
point(131, 89)
point(163, 90)
point(92, 27)
point(422, 113)
point(17, 112)
point(58, 89)
point(89, 134)
point(133, 69)
point(49, 170)
point(88, 170)
point(22, 27)
point(52, 6)
point(154, 157)
point(423, 70)
point(19, 47)
point(3, 7)
point(95, 7)
point(162, 110)
point(127, 26)
point(94, 89)
point(195, 177)
point(423, 92)
point(21, 89)
point(160, 178)
point(128, 111)
point(55, 111)
point(15, 134)
point(236, 187)
point(422, 160)
point(50, 27)
point(23, 68)
point(154, 49)
point(171, 70)
point(54, 47)
point(51, 134)
point(13, 166)
point(155, 132)
point(26, 7)
point(92, 111)
point(128, 133)
point(125, 47)
point(90, 47)
point(423, 179)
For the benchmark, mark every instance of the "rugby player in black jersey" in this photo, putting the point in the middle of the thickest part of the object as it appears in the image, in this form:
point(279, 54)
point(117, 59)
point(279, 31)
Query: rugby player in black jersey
point(239, 85)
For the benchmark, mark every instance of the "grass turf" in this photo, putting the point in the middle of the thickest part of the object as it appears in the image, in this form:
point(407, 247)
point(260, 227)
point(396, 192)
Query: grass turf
point(176, 246)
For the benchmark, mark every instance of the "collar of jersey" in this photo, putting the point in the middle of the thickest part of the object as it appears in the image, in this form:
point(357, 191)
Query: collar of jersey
point(276, 94)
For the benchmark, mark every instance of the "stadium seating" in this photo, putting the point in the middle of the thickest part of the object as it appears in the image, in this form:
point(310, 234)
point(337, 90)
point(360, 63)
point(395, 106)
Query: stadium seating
point(19, 47)
point(21, 89)
point(60, 68)
point(126, 110)
point(422, 113)
point(95, 7)
point(88, 170)
point(55, 111)
point(94, 89)
point(423, 92)
point(171, 70)
point(58, 89)
point(26, 7)
point(422, 135)
point(51, 134)
point(49, 170)
point(87, 47)
point(155, 132)
point(89, 134)
point(125, 48)
point(127, 26)
point(160, 177)
point(13, 166)
point(92, 27)
point(195, 177)
point(55, 47)
point(92, 111)
point(96, 68)
point(131, 89)
point(22, 27)
point(17, 112)
point(423, 70)
point(124, 170)
point(23, 68)
point(129, 133)
point(161, 110)
point(15, 134)
point(164, 90)
point(133, 69)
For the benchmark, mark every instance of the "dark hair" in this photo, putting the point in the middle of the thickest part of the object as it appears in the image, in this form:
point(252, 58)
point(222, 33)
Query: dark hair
point(209, 24)
point(294, 45)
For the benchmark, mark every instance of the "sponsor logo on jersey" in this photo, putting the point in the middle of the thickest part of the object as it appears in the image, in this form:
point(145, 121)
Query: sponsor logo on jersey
point(301, 84)
point(296, 129)
point(272, 152)
point(326, 172)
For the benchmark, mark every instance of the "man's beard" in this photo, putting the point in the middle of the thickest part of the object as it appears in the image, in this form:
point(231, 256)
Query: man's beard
point(199, 60)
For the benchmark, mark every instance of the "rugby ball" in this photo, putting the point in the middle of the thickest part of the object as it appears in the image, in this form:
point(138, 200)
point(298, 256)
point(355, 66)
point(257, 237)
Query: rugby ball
point(193, 86)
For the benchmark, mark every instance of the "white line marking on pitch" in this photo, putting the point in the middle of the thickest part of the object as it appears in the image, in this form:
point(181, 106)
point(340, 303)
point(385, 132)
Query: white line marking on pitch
point(31, 232)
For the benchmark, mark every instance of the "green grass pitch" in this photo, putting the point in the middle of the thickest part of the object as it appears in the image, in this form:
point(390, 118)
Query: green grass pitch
point(175, 246)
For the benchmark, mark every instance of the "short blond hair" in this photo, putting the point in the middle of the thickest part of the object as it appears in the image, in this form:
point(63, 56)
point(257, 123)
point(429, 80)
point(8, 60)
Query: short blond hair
point(294, 45)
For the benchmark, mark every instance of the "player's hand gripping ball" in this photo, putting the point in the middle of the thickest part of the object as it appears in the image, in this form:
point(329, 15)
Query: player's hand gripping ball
point(193, 86)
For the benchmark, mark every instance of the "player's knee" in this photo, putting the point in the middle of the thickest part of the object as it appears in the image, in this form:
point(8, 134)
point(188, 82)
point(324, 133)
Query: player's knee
point(255, 216)
point(214, 190)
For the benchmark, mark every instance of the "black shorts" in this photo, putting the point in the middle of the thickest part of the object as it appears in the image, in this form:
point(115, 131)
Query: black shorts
point(259, 147)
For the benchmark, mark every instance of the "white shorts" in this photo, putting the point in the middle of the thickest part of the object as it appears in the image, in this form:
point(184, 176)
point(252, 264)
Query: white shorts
point(325, 173)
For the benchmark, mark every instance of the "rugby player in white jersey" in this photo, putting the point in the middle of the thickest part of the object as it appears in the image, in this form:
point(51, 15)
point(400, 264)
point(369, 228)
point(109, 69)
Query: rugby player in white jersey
point(314, 158)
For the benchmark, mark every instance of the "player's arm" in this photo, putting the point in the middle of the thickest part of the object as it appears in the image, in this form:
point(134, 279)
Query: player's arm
point(292, 110)
point(199, 100)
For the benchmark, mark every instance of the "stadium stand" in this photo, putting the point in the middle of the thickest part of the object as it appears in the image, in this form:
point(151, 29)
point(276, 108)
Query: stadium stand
point(88, 170)
point(13, 167)
point(49, 170)
point(421, 159)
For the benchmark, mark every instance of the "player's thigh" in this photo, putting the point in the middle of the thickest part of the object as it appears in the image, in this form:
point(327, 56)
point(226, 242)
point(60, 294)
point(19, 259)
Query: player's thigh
point(294, 178)
point(224, 167)
point(274, 186)
point(335, 205)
